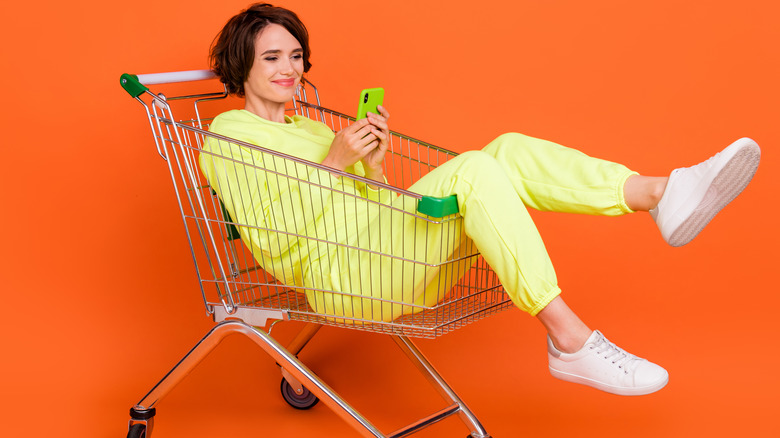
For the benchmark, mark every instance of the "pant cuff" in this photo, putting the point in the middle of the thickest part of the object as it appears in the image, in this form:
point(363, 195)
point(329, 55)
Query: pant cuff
point(541, 304)
point(621, 196)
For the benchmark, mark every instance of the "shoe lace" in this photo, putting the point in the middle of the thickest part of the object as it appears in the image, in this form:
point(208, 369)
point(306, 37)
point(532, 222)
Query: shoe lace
point(617, 355)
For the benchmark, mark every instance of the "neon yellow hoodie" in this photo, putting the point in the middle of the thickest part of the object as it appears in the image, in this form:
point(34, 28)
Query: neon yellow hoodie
point(334, 238)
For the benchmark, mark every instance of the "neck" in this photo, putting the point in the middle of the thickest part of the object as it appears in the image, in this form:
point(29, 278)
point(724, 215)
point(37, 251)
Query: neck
point(271, 111)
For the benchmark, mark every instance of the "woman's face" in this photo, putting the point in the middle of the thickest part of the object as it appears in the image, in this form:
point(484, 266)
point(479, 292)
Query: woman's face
point(277, 68)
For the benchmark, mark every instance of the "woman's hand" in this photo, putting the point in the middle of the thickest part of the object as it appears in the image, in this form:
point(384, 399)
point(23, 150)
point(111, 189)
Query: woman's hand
point(366, 140)
point(372, 161)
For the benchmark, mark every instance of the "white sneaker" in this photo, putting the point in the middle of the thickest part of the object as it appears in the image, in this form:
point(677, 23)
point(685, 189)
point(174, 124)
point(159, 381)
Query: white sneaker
point(605, 366)
point(694, 195)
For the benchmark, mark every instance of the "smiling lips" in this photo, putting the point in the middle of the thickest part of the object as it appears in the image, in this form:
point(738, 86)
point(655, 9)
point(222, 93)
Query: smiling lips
point(285, 82)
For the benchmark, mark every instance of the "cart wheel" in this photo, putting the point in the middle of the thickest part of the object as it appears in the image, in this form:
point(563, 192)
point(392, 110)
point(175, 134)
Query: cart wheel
point(304, 400)
point(137, 431)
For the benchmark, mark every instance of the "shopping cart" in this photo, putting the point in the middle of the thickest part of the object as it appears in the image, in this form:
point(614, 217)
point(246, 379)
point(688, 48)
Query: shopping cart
point(435, 283)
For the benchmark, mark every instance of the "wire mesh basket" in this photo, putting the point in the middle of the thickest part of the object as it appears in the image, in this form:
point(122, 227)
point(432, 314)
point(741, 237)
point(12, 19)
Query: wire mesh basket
point(319, 251)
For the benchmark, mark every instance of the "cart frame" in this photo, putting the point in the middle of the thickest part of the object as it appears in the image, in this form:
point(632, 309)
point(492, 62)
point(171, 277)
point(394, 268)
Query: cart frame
point(248, 299)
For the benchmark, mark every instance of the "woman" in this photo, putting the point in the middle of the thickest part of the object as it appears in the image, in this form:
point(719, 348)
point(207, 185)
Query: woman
point(262, 54)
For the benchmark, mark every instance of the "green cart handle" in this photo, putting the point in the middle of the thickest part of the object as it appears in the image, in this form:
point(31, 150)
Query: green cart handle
point(438, 207)
point(132, 85)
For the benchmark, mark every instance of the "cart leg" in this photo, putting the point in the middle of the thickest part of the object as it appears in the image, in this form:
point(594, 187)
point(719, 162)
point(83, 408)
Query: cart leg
point(283, 357)
point(183, 368)
point(425, 367)
point(298, 370)
point(303, 337)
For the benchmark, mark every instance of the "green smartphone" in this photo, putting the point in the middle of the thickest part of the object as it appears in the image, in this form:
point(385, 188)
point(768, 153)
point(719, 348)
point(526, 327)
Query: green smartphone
point(369, 99)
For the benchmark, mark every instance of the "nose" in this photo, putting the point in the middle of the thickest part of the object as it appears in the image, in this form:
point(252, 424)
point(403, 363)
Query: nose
point(287, 67)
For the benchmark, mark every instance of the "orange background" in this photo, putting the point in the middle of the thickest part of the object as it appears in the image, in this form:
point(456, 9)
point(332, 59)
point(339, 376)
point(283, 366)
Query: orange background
point(101, 298)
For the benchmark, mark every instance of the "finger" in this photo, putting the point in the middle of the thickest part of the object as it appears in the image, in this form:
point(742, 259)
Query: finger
point(380, 134)
point(372, 145)
point(383, 111)
point(353, 128)
point(383, 135)
point(368, 139)
point(379, 121)
point(363, 132)
point(358, 125)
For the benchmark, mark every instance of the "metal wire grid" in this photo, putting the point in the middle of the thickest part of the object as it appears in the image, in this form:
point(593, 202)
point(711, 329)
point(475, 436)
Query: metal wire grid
point(229, 271)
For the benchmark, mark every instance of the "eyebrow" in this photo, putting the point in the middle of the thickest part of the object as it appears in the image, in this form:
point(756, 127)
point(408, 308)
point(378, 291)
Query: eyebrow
point(277, 51)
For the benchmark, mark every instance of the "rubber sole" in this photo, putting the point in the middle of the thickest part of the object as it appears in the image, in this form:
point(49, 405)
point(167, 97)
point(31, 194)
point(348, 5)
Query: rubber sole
point(726, 186)
point(617, 390)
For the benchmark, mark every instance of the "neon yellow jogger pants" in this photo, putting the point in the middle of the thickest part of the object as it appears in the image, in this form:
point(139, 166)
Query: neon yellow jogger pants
point(496, 184)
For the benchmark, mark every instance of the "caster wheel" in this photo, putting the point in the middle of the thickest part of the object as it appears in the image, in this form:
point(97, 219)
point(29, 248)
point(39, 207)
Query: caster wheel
point(304, 400)
point(137, 431)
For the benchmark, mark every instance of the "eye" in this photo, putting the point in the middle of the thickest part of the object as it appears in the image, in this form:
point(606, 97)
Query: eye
point(270, 58)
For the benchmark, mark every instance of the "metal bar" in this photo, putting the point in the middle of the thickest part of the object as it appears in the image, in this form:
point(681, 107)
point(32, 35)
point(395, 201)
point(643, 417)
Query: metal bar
point(176, 76)
point(292, 158)
point(438, 382)
point(425, 422)
point(303, 337)
point(309, 379)
point(202, 97)
point(183, 367)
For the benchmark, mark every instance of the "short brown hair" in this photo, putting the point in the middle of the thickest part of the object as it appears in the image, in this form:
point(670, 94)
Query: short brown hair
point(233, 50)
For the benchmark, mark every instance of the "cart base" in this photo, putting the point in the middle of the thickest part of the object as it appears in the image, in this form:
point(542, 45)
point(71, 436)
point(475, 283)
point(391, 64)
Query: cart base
point(300, 378)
